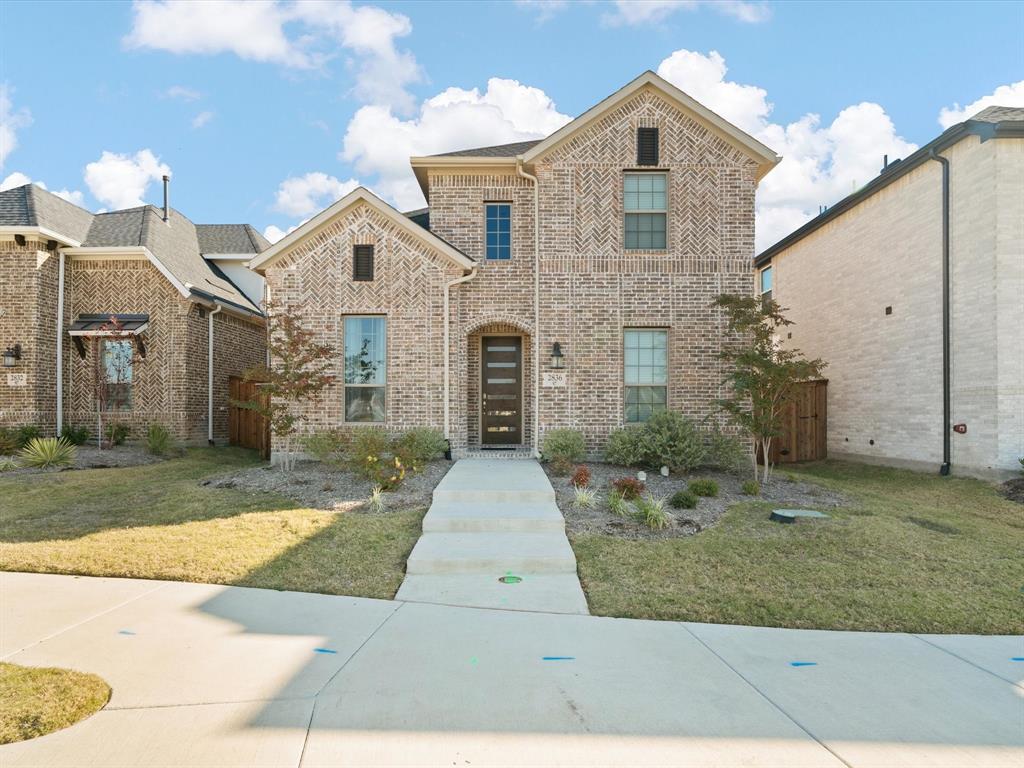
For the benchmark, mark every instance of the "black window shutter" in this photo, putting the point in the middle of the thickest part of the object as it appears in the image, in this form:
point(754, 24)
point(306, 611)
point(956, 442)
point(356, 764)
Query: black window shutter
point(646, 146)
point(362, 263)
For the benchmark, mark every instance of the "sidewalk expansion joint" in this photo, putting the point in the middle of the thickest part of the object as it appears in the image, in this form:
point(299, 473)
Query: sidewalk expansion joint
point(996, 675)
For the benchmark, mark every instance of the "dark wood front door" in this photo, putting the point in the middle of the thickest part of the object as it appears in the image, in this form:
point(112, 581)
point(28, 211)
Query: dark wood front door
point(501, 390)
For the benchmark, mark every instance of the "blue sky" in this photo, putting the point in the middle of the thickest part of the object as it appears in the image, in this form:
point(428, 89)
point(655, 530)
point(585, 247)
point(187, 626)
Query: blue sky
point(266, 112)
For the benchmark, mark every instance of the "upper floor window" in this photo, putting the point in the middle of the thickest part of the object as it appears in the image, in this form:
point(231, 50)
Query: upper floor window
point(118, 356)
point(499, 230)
point(646, 208)
point(645, 352)
point(765, 283)
point(365, 368)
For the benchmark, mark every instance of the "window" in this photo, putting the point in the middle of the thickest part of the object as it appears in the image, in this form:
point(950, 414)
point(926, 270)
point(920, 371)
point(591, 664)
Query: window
point(362, 263)
point(365, 368)
point(765, 288)
point(646, 372)
point(645, 203)
point(118, 355)
point(646, 146)
point(499, 231)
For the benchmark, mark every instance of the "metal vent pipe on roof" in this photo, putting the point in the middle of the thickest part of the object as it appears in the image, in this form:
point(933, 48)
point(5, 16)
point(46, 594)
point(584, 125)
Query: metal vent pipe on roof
point(167, 197)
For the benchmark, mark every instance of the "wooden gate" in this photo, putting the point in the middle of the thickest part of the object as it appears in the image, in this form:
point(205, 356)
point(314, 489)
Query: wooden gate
point(804, 425)
point(247, 427)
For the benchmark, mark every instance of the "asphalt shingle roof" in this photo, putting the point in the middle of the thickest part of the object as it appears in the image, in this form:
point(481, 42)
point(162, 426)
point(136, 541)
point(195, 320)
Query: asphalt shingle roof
point(230, 238)
point(999, 114)
point(32, 206)
point(498, 150)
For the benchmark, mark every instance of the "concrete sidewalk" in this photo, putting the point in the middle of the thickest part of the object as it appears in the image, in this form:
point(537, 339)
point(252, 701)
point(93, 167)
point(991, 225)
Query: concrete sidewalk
point(227, 676)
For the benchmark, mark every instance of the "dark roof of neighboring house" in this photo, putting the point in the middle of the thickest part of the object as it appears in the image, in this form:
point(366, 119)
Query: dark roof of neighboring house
point(230, 238)
point(990, 123)
point(498, 150)
point(32, 206)
point(176, 243)
point(421, 216)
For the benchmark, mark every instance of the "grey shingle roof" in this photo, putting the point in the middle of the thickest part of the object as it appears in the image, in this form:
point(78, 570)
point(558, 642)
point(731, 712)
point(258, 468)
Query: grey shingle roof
point(499, 150)
point(230, 238)
point(999, 114)
point(32, 206)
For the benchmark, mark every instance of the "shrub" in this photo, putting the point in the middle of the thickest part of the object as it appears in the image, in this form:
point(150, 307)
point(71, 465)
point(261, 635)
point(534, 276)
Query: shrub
point(75, 435)
point(1021, 460)
point(565, 445)
point(628, 488)
point(158, 440)
point(751, 488)
point(420, 445)
point(377, 499)
point(703, 486)
point(581, 477)
point(725, 452)
point(624, 447)
point(8, 441)
point(117, 433)
point(328, 446)
point(6, 465)
point(617, 505)
point(44, 452)
point(368, 445)
point(584, 498)
point(683, 500)
point(652, 513)
point(27, 434)
point(560, 466)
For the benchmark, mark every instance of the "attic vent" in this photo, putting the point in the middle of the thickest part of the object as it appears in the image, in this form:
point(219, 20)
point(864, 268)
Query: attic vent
point(646, 146)
point(362, 263)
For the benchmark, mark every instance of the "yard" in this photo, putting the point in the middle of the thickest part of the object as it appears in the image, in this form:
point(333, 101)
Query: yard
point(158, 521)
point(908, 552)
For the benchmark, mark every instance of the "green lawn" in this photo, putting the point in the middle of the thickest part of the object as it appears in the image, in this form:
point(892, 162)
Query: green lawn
point(40, 700)
point(158, 522)
point(912, 552)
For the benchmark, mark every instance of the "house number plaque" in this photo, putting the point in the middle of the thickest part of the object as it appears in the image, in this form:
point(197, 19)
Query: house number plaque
point(17, 379)
point(554, 379)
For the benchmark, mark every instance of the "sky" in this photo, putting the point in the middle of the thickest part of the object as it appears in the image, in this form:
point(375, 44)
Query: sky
point(267, 112)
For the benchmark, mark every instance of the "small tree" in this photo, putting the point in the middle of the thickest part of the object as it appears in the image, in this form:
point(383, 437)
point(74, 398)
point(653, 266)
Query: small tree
point(762, 372)
point(298, 371)
point(111, 370)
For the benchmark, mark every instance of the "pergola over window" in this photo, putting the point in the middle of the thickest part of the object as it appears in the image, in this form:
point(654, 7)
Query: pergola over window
point(111, 325)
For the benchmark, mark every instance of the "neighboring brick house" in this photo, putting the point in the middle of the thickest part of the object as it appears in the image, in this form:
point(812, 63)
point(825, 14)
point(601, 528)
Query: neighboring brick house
point(171, 283)
point(864, 284)
point(578, 273)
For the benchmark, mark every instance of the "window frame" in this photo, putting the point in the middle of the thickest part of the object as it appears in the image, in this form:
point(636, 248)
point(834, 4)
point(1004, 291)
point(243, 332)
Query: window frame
point(626, 213)
point(345, 385)
point(487, 219)
point(666, 331)
point(761, 292)
point(127, 402)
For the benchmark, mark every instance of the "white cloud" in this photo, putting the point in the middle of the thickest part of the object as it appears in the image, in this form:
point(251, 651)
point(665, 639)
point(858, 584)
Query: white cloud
point(639, 12)
point(821, 163)
point(305, 195)
point(379, 144)
point(544, 10)
point(202, 119)
point(273, 234)
point(18, 179)
point(304, 34)
point(120, 181)
point(1011, 95)
point(11, 121)
point(182, 93)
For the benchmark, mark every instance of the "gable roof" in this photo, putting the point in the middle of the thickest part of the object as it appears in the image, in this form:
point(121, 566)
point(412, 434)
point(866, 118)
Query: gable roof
point(990, 123)
point(33, 206)
point(498, 150)
point(357, 195)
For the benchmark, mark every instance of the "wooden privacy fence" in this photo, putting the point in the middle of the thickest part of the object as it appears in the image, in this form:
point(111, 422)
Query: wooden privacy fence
point(804, 425)
point(247, 427)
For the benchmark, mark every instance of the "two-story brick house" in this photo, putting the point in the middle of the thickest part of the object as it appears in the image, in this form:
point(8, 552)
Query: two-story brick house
point(566, 282)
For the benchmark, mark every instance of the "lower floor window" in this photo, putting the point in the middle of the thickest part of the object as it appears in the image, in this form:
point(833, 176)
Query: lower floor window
point(646, 372)
point(365, 352)
point(118, 355)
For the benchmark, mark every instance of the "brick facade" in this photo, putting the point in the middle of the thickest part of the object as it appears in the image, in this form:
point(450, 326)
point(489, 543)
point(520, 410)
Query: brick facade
point(590, 287)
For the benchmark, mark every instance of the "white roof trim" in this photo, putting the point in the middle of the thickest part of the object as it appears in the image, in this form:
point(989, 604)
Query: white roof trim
point(134, 332)
point(49, 234)
point(767, 157)
point(229, 256)
point(359, 194)
point(112, 251)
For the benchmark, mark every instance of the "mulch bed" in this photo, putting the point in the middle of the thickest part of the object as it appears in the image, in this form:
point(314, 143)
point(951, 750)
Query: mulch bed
point(91, 457)
point(331, 488)
point(780, 492)
point(1013, 490)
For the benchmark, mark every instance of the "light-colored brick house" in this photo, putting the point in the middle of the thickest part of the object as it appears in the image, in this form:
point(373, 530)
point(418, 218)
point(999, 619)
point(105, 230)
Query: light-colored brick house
point(174, 286)
point(566, 282)
point(864, 283)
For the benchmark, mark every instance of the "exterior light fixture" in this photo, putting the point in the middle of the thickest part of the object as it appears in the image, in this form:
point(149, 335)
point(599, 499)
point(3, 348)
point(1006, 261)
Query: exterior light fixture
point(12, 355)
point(557, 358)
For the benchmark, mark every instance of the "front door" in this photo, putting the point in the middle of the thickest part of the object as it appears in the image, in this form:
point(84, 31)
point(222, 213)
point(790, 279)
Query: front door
point(501, 390)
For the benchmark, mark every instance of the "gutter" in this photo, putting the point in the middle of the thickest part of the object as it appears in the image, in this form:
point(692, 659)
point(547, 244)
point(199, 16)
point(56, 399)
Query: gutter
point(946, 372)
point(60, 344)
point(536, 305)
point(447, 350)
point(209, 371)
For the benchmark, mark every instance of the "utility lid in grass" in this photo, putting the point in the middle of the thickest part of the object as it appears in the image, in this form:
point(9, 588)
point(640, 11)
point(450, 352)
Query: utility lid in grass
point(790, 515)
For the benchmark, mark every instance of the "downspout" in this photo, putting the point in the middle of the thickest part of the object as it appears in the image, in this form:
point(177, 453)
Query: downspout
point(60, 344)
point(536, 305)
point(946, 377)
point(447, 351)
point(209, 371)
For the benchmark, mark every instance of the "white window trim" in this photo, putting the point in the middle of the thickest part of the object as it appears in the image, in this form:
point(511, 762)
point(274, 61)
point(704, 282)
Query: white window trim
point(653, 171)
point(510, 249)
point(668, 367)
point(345, 385)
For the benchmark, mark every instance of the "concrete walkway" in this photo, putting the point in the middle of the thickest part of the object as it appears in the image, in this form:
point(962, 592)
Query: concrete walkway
point(224, 676)
point(492, 519)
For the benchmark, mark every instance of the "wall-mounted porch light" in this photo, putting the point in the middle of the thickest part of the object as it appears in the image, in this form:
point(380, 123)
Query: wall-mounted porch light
point(557, 358)
point(12, 355)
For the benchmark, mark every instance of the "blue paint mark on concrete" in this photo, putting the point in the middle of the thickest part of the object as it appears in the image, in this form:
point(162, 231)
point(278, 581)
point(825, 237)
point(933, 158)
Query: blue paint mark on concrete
point(803, 663)
point(1017, 658)
point(323, 650)
point(125, 632)
point(558, 658)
